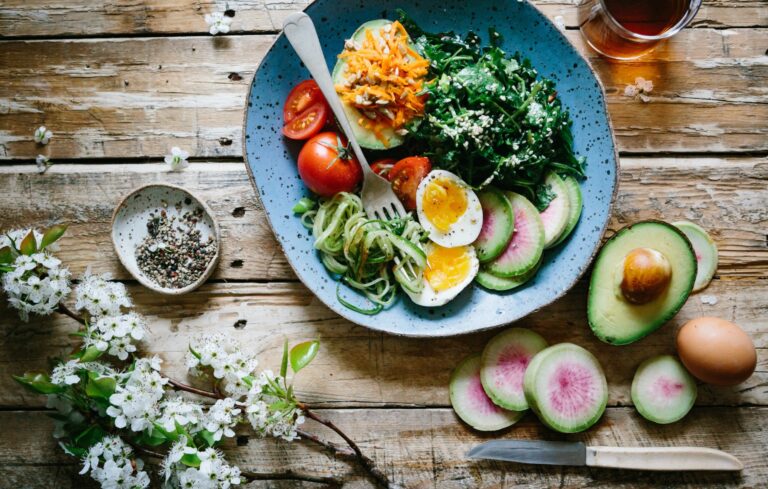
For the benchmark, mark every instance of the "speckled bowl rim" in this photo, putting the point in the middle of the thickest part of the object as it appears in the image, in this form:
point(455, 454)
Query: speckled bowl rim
point(148, 283)
point(581, 271)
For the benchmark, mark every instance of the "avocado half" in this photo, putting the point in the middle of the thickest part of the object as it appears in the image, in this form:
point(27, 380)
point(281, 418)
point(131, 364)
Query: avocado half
point(365, 138)
point(614, 319)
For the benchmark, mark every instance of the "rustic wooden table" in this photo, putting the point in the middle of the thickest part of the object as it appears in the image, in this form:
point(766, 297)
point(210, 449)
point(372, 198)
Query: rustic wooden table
point(120, 82)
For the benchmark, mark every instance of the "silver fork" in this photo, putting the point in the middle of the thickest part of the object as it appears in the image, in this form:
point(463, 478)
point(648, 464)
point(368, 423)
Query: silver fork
point(379, 201)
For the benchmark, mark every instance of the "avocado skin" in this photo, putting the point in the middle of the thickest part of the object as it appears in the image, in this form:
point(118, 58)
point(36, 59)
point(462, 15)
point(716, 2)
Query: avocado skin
point(602, 331)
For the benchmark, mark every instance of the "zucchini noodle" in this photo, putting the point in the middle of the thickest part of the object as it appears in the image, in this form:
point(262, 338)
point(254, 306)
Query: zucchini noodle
point(371, 256)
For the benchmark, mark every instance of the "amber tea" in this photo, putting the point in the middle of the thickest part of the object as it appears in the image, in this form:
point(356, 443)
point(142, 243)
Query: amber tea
point(626, 29)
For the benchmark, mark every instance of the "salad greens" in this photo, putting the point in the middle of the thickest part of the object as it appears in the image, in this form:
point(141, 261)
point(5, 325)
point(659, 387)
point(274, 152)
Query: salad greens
point(489, 118)
point(367, 253)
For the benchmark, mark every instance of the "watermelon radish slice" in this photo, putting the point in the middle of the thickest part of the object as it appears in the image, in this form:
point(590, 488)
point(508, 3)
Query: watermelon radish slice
point(527, 244)
point(706, 253)
point(498, 224)
point(566, 387)
point(470, 401)
point(576, 202)
point(504, 361)
point(663, 391)
point(501, 284)
point(555, 216)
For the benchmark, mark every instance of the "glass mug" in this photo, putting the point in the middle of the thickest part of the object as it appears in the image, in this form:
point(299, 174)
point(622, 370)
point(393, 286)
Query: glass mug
point(628, 29)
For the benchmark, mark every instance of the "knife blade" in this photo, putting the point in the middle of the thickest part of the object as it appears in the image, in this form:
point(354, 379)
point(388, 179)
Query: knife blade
point(578, 454)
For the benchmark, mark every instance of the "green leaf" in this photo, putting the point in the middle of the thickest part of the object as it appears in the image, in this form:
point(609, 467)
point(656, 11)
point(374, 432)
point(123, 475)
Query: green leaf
point(28, 245)
point(303, 353)
point(152, 438)
point(248, 379)
point(284, 362)
point(207, 436)
point(38, 382)
point(89, 437)
point(280, 405)
point(170, 435)
point(73, 451)
point(191, 460)
point(90, 354)
point(52, 235)
point(100, 387)
point(193, 352)
point(6, 255)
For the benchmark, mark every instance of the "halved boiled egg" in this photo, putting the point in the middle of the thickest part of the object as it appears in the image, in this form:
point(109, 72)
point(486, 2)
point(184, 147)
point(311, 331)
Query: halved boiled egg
point(448, 272)
point(448, 209)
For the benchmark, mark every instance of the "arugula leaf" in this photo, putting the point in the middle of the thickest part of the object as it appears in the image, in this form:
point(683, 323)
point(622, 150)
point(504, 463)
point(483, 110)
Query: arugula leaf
point(489, 117)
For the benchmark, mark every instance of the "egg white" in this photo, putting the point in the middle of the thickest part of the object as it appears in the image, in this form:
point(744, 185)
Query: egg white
point(429, 297)
point(466, 229)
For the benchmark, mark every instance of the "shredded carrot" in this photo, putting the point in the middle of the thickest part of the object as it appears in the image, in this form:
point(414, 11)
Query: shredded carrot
point(384, 78)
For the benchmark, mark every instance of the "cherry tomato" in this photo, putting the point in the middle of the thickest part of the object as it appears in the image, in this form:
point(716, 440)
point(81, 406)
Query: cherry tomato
point(406, 176)
point(307, 123)
point(382, 167)
point(327, 166)
point(300, 98)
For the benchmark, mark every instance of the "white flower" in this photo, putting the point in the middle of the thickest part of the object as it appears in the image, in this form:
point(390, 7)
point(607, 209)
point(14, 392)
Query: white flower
point(644, 85)
point(135, 402)
point(221, 418)
point(213, 472)
point(115, 334)
point(43, 162)
point(225, 360)
point(282, 423)
point(67, 373)
point(218, 23)
point(176, 409)
point(119, 469)
point(42, 135)
point(631, 91)
point(36, 284)
point(100, 297)
point(177, 159)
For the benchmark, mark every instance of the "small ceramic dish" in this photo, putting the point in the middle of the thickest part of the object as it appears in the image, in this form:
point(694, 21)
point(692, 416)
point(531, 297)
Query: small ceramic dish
point(129, 228)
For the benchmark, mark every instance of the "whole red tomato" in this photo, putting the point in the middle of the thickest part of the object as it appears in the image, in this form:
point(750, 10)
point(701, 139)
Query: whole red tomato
point(327, 166)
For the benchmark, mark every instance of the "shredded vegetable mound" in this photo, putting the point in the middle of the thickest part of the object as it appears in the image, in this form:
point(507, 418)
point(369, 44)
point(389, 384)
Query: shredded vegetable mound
point(370, 255)
point(384, 78)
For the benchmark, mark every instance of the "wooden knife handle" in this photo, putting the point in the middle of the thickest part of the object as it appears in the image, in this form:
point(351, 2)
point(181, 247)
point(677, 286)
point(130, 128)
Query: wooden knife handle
point(662, 458)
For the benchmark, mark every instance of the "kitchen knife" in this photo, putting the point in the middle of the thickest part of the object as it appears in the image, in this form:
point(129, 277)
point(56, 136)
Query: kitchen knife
point(576, 453)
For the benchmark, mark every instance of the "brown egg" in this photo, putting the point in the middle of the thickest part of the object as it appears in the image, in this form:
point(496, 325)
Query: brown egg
point(716, 351)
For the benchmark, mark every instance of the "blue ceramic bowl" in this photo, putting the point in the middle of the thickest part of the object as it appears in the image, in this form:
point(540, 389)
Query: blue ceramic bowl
point(271, 158)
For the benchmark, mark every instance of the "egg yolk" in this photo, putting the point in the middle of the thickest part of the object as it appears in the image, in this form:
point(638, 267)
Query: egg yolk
point(444, 202)
point(447, 267)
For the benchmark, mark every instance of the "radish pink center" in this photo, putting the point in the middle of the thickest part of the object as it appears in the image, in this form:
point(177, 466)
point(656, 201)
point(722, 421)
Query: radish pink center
point(487, 230)
point(667, 387)
point(571, 390)
point(511, 368)
point(479, 399)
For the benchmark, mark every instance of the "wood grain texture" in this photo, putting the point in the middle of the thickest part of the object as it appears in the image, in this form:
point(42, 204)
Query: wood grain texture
point(725, 195)
point(83, 18)
point(425, 449)
point(360, 367)
point(138, 97)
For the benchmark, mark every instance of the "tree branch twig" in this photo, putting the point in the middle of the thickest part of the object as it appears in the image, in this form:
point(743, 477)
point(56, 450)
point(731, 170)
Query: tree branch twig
point(368, 464)
point(194, 390)
point(337, 450)
point(63, 309)
point(290, 475)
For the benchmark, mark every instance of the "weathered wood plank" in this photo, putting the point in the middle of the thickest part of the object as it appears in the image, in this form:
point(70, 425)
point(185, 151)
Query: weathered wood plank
point(425, 448)
point(725, 195)
point(139, 97)
point(81, 18)
point(361, 367)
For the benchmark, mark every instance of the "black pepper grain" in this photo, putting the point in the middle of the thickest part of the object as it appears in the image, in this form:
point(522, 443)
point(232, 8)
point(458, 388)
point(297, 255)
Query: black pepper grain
point(174, 254)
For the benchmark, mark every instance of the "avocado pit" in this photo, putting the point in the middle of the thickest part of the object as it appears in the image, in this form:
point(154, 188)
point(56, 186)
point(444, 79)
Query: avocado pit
point(646, 275)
